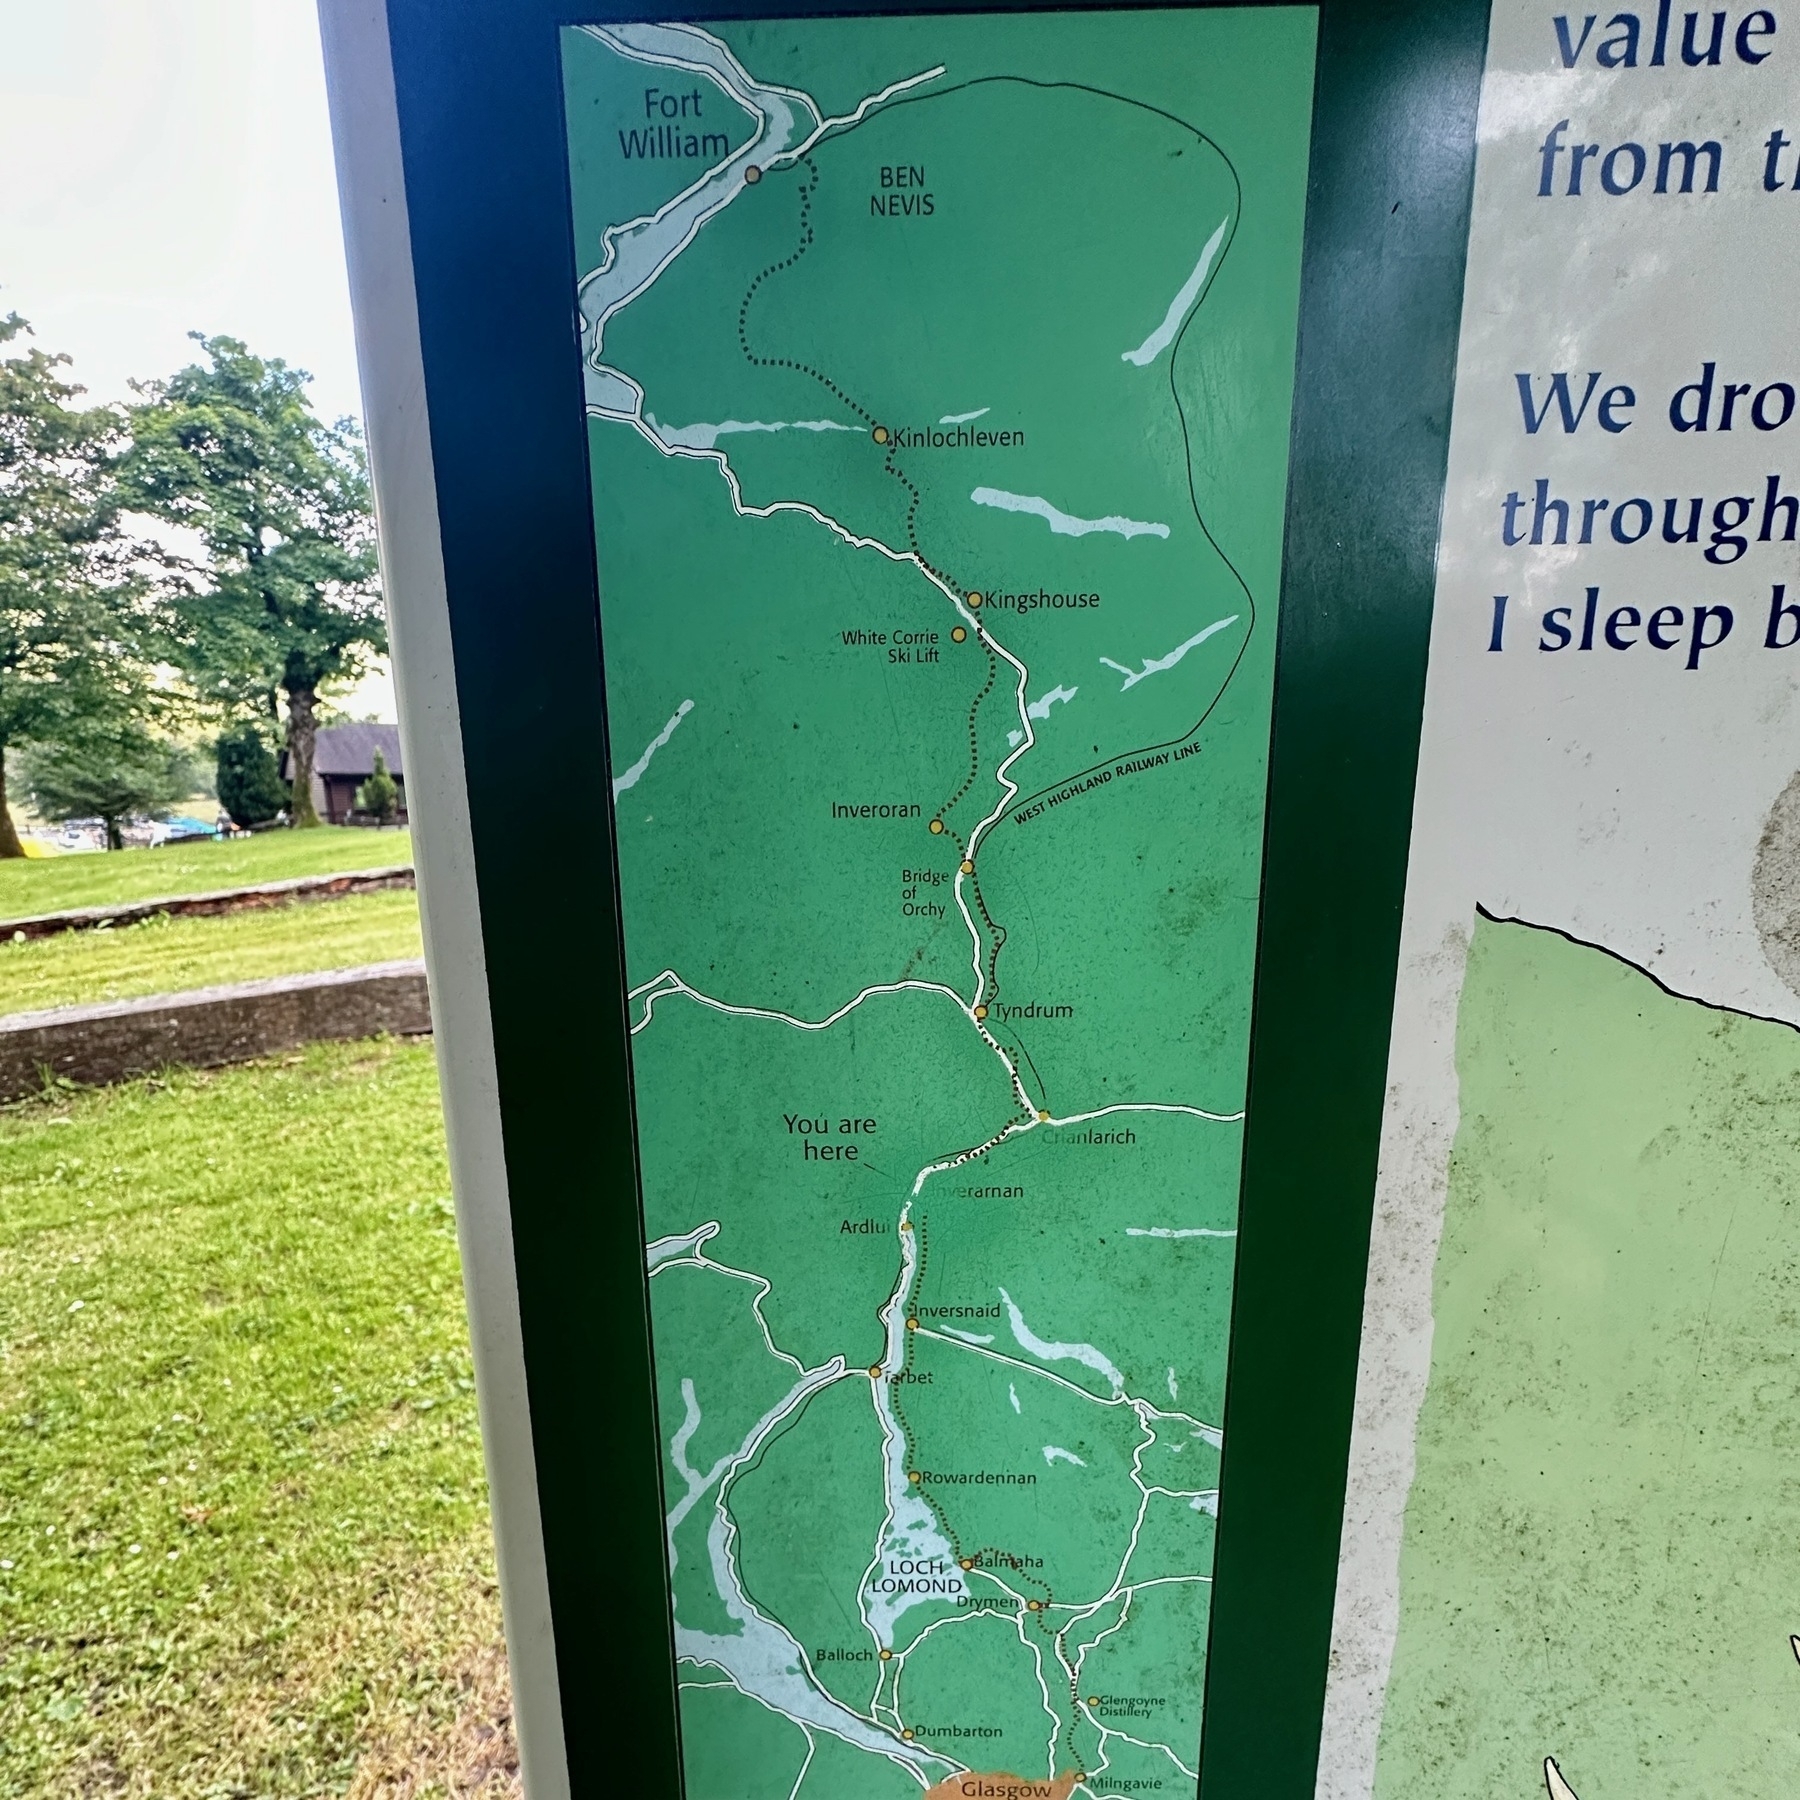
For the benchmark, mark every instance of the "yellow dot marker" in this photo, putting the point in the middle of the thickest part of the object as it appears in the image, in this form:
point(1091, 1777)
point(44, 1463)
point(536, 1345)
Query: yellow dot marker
point(981, 1012)
point(881, 434)
point(1043, 1118)
point(907, 1734)
point(967, 1562)
point(752, 174)
point(1092, 1701)
point(874, 1371)
point(906, 1224)
point(912, 1474)
point(968, 868)
point(887, 1656)
point(912, 1324)
point(958, 635)
point(1034, 1606)
point(974, 600)
point(937, 827)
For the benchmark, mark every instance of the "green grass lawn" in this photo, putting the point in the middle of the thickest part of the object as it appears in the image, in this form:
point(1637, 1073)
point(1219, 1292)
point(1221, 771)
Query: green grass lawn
point(55, 883)
point(162, 955)
point(244, 1540)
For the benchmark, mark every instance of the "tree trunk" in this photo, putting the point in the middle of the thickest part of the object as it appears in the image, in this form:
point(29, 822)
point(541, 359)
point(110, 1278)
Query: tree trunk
point(9, 835)
point(302, 729)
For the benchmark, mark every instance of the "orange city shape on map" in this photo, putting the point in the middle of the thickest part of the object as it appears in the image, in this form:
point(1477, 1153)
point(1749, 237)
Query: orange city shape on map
point(973, 1785)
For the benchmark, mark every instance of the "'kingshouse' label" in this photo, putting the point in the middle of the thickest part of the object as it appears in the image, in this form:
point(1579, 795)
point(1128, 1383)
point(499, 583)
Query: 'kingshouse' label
point(1041, 599)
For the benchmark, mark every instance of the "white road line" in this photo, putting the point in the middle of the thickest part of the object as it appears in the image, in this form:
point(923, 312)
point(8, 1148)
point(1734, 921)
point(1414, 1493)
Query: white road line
point(1043, 1374)
point(668, 982)
point(1134, 1403)
point(856, 117)
point(811, 1746)
point(1155, 1106)
point(1034, 1123)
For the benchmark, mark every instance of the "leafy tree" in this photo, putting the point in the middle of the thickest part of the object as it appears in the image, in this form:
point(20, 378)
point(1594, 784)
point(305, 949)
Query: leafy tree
point(250, 786)
point(285, 601)
point(108, 769)
point(380, 794)
point(73, 629)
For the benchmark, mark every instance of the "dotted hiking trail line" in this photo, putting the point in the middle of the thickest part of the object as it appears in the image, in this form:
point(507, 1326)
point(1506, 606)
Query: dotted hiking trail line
point(966, 1559)
point(996, 931)
point(987, 687)
point(788, 362)
point(939, 823)
point(995, 1556)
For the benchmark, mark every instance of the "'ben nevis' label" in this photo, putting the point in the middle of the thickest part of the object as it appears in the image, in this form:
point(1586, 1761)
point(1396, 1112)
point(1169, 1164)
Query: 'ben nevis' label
point(902, 193)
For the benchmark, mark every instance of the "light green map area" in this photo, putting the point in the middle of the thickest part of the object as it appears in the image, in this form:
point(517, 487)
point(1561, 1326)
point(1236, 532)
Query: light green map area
point(939, 382)
point(1602, 1552)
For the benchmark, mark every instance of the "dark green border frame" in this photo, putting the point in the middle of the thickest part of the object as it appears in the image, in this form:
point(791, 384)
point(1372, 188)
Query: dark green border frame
point(478, 85)
point(1393, 166)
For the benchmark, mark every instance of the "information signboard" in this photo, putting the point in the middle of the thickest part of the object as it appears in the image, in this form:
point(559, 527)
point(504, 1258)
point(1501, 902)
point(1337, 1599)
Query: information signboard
point(1130, 1131)
point(938, 374)
point(1571, 1528)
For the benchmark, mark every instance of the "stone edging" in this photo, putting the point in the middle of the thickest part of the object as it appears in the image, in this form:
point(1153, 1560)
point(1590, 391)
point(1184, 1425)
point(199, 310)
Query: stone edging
point(223, 900)
point(209, 1027)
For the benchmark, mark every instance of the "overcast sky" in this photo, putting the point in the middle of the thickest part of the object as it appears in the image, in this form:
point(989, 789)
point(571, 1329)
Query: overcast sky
point(168, 169)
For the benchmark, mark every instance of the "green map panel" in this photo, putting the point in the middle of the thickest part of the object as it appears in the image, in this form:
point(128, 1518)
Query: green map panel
point(1584, 1575)
point(938, 375)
